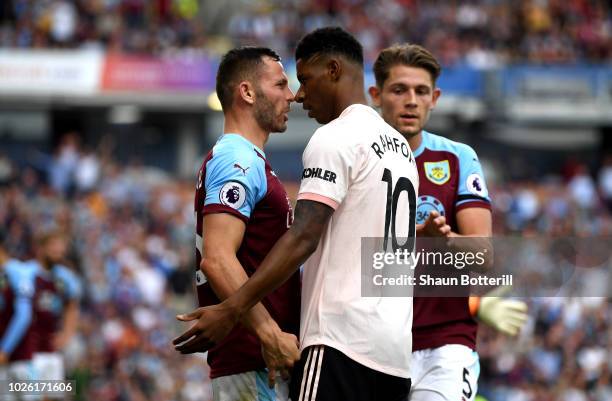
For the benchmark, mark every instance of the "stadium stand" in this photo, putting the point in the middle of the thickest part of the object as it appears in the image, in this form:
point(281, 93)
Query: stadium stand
point(131, 220)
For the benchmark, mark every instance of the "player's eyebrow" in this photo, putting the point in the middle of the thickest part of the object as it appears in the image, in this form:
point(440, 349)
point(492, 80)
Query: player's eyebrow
point(423, 87)
point(402, 85)
point(397, 85)
point(282, 81)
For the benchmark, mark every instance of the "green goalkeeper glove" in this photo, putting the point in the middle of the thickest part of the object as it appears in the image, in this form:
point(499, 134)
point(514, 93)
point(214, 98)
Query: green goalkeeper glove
point(507, 316)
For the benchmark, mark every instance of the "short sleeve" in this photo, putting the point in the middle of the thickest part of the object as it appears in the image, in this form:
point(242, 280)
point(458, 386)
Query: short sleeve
point(472, 191)
point(71, 282)
point(235, 181)
point(20, 279)
point(327, 169)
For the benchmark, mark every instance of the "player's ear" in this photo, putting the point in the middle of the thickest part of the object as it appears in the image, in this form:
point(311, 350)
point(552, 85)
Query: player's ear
point(334, 69)
point(375, 95)
point(247, 92)
point(435, 95)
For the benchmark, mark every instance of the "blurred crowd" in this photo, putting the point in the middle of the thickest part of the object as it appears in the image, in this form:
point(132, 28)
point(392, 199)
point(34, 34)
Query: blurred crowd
point(565, 351)
point(132, 234)
point(562, 355)
point(131, 230)
point(576, 202)
point(132, 26)
point(480, 33)
point(132, 226)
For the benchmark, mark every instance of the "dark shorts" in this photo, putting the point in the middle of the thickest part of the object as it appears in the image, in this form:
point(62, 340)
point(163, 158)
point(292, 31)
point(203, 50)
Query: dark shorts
point(326, 374)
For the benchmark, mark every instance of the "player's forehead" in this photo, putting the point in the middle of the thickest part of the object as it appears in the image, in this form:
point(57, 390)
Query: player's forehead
point(310, 65)
point(56, 241)
point(272, 69)
point(408, 75)
point(301, 68)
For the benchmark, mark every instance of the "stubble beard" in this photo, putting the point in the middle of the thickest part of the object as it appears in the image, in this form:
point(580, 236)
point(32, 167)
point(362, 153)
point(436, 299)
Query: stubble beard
point(265, 114)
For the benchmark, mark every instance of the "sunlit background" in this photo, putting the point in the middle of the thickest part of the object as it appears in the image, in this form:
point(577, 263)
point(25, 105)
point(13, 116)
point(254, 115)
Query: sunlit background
point(107, 108)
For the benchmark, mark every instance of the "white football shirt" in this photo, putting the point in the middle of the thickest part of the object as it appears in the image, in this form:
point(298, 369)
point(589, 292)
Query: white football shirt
point(356, 164)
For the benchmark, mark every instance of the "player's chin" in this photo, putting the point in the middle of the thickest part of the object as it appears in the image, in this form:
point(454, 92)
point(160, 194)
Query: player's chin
point(321, 119)
point(280, 127)
point(54, 260)
point(409, 129)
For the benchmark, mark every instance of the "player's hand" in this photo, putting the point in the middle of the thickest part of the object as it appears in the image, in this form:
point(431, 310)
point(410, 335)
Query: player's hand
point(434, 226)
point(280, 352)
point(213, 324)
point(507, 316)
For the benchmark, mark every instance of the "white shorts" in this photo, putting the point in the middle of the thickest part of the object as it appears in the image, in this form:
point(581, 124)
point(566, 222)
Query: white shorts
point(16, 372)
point(447, 373)
point(48, 366)
point(249, 386)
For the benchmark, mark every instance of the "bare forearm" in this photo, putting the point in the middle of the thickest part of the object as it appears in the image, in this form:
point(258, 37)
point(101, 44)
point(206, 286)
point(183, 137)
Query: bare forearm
point(69, 325)
point(474, 231)
point(281, 262)
point(289, 252)
point(475, 244)
point(71, 318)
point(216, 321)
point(225, 278)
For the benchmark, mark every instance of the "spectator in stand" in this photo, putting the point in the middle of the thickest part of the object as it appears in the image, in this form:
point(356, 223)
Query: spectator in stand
point(479, 33)
point(583, 190)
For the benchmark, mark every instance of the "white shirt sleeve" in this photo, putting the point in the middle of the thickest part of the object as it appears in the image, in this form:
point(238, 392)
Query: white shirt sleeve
point(327, 169)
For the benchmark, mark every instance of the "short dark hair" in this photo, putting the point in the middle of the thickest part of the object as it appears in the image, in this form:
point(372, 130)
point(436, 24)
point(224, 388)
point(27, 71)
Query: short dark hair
point(330, 40)
point(239, 64)
point(407, 54)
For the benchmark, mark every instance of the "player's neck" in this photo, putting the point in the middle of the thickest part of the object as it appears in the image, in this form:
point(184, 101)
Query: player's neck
point(247, 127)
point(415, 141)
point(351, 94)
point(46, 264)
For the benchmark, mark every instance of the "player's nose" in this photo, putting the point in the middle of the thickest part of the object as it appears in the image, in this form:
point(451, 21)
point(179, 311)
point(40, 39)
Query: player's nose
point(299, 95)
point(410, 98)
point(290, 95)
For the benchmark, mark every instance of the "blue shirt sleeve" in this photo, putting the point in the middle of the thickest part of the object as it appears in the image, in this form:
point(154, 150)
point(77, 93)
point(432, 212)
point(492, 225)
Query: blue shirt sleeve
point(71, 282)
point(235, 180)
point(472, 184)
point(18, 325)
point(21, 280)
